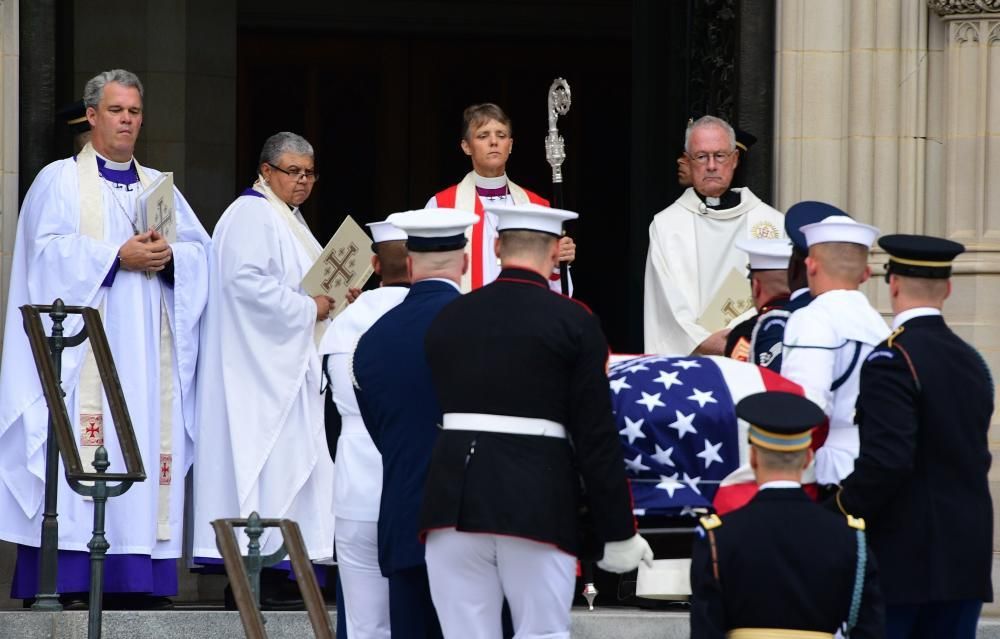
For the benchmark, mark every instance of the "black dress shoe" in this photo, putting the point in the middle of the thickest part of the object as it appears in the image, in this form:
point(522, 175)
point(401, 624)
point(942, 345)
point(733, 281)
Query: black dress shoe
point(75, 600)
point(130, 601)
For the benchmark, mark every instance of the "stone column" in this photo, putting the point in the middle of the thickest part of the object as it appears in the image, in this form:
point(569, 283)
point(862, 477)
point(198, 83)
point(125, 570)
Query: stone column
point(9, 61)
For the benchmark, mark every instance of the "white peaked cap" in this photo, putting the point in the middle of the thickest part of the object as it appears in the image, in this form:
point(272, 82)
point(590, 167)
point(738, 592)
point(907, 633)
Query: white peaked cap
point(838, 228)
point(766, 254)
point(385, 231)
point(433, 222)
point(531, 217)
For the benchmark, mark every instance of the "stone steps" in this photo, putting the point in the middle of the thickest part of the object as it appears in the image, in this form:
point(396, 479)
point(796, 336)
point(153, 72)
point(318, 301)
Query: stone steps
point(617, 623)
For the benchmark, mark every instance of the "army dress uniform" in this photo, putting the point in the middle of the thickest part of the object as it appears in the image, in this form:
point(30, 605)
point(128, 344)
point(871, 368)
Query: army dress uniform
point(921, 478)
point(783, 566)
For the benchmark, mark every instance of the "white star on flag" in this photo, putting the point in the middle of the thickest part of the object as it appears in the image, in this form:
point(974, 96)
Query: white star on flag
point(684, 424)
point(686, 364)
point(668, 379)
point(650, 401)
point(636, 465)
point(618, 384)
point(692, 482)
point(635, 368)
point(633, 430)
point(669, 484)
point(711, 453)
point(703, 397)
point(663, 456)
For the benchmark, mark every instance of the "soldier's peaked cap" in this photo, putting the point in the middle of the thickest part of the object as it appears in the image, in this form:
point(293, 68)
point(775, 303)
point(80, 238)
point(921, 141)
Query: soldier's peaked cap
point(803, 213)
point(780, 421)
point(531, 217)
point(431, 230)
point(920, 255)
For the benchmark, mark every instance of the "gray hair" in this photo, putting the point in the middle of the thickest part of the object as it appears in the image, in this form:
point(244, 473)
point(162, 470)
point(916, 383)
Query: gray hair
point(94, 88)
point(281, 143)
point(710, 120)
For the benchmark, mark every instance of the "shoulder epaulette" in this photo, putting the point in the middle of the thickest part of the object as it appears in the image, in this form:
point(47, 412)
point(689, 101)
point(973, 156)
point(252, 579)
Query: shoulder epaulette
point(708, 522)
point(856, 523)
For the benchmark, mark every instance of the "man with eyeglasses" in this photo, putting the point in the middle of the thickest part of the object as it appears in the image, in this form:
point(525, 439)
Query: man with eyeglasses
point(692, 254)
point(261, 439)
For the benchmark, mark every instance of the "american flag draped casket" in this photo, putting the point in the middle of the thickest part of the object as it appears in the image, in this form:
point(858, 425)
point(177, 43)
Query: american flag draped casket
point(684, 448)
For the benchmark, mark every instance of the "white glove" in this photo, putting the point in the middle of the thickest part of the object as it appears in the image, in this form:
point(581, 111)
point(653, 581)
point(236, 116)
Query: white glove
point(624, 556)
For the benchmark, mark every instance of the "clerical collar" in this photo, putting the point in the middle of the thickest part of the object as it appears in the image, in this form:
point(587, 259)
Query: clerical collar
point(907, 315)
point(499, 182)
point(111, 164)
point(729, 200)
point(117, 172)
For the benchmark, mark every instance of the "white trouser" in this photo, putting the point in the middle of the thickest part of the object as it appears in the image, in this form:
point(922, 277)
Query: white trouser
point(471, 573)
point(366, 591)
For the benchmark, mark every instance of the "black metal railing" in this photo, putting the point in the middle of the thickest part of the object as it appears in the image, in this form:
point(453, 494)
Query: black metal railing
point(47, 353)
point(244, 572)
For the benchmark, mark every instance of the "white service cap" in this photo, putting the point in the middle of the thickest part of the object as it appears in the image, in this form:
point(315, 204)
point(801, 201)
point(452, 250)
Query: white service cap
point(531, 217)
point(838, 228)
point(434, 229)
point(385, 231)
point(766, 254)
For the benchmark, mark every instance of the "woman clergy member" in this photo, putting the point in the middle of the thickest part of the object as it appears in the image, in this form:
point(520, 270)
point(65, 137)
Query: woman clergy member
point(488, 141)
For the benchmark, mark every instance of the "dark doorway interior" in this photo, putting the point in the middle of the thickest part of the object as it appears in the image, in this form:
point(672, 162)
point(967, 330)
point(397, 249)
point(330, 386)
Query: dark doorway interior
point(384, 115)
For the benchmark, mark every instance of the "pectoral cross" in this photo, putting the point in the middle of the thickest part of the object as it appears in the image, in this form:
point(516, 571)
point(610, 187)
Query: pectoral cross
point(340, 267)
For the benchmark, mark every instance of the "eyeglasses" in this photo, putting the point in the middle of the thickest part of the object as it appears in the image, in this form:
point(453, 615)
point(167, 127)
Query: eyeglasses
point(721, 157)
point(310, 176)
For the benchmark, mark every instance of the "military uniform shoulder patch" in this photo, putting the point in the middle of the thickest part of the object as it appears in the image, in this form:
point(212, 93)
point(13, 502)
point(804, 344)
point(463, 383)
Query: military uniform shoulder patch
point(856, 523)
point(708, 522)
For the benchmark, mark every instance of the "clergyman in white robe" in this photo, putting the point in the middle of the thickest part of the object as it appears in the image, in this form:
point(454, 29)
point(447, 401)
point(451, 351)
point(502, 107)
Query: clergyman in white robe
point(68, 250)
point(261, 442)
point(691, 253)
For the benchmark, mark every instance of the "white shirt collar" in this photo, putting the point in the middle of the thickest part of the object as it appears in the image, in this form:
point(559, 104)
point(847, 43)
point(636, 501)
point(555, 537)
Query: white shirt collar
point(115, 166)
point(907, 315)
point(490, 182)
point(798, 293)
point(779, 483)
point(441, 279)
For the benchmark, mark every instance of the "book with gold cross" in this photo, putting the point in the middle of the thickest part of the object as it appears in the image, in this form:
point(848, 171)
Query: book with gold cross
point(345, 263)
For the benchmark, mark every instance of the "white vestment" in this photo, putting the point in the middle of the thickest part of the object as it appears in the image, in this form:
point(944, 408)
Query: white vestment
point(824, 342)
point(691, 253)
point(53, 259)
point(261, 442)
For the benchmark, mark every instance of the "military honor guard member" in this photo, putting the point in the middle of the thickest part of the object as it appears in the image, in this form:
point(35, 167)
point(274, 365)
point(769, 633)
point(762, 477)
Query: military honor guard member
point(825, 342)
point(400, 409)
point(921, 479)
point(691, 244)
point(769, 331)
point(520, 373)
point(261, 439)
point(768, 272)
point(80, 237)
point(487, 138)
point(357, 484)
point(783, 566)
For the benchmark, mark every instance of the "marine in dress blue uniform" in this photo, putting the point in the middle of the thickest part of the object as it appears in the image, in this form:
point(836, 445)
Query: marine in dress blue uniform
point(921, 478)
point(401, 411)
point(520, 371)
point(782, 563)
point(769, 330)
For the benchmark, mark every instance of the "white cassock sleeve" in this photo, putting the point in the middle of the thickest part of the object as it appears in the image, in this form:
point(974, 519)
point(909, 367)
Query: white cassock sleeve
point(670, 322)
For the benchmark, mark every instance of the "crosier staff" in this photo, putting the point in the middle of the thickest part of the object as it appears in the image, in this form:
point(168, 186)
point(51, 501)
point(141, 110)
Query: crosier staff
point(555, 152)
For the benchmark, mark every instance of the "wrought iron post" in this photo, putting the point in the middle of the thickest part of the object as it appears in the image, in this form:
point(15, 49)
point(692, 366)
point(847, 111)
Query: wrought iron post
point(47, 598)
point(253, 560)
point(98, 544)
